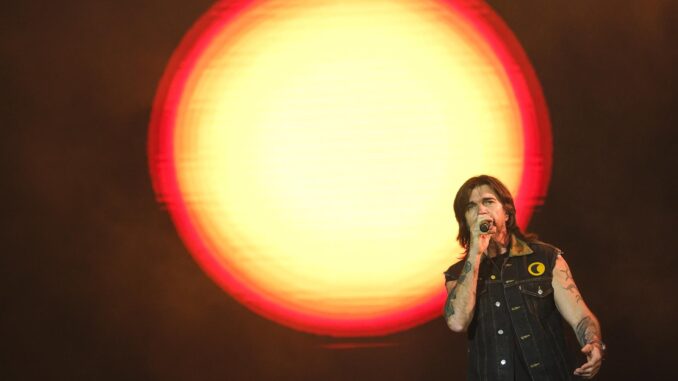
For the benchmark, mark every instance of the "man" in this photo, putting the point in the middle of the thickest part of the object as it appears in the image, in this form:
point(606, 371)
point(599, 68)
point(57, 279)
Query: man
point(511, 292)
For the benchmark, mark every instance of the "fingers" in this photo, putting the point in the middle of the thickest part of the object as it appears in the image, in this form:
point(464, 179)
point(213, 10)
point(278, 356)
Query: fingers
point(480, 219)
point(587, 373)
point(586, 349)
point(481, 240)
point(480, 237)
point(592, 366)
point(586, 368)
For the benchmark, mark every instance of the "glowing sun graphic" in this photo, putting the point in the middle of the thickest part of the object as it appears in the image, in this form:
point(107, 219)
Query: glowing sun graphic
point(309, 151)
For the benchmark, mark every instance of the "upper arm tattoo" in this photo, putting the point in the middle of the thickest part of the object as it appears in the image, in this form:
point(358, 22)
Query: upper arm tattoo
point(567, 274)
point(573, 288)
point(587, 329)
point(569, 283)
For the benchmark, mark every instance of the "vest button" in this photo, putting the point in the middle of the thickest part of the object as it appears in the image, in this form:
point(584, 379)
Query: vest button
point(502, 362)
point(501, 332)
point(497, 304)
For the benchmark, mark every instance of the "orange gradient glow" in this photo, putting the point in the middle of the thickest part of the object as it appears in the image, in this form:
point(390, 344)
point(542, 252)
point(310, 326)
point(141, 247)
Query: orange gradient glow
point(309, 151)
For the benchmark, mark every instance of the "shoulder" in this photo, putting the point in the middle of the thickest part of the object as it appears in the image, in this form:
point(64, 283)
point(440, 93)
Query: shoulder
point(545, 248)
point(549, 253)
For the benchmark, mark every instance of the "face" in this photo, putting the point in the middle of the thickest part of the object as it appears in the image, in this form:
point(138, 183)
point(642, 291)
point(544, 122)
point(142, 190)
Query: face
point(484, 204)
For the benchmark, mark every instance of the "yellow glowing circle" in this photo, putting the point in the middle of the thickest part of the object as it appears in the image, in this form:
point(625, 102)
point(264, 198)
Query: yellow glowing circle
point(536, 268)
point(316, 149)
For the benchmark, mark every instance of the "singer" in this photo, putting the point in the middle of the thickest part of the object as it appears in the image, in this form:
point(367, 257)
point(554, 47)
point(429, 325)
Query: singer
point(511, 293)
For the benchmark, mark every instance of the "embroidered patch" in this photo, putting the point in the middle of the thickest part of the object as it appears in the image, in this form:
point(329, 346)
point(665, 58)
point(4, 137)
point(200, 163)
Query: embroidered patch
point(536, 268)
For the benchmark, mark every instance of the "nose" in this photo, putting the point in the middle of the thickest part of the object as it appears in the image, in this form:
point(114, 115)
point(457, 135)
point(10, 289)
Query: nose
point(482, 209)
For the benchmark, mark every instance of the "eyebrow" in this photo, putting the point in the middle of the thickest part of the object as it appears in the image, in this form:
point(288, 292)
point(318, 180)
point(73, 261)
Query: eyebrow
point(481, 200)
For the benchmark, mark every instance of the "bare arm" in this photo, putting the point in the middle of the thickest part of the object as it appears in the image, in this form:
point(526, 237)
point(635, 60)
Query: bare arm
point(461, 297)
point(581, 319)
point(461, 294)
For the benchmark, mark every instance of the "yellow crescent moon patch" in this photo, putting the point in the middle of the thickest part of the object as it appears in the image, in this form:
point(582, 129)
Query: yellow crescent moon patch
point(536, 268)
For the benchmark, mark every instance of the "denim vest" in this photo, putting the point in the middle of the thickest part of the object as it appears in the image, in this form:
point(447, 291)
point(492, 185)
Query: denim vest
point(515, 310)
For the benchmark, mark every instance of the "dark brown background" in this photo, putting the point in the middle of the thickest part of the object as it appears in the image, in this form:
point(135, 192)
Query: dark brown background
point(98, 286)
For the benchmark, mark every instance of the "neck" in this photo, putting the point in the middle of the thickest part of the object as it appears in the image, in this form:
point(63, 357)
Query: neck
point(502, 238)
point(498, 244)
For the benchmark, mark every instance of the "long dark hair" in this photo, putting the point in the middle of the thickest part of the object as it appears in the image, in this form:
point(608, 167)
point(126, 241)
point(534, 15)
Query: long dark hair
point(505, 198)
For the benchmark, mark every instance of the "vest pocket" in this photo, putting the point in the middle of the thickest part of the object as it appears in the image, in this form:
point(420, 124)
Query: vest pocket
point(538, 297)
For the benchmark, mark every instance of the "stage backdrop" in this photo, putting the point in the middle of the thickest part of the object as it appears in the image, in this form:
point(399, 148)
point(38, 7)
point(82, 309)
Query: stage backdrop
point(135, 228)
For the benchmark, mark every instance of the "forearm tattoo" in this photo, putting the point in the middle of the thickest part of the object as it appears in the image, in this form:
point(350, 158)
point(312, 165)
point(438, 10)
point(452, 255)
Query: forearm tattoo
point(449, 308)
point(587, 330)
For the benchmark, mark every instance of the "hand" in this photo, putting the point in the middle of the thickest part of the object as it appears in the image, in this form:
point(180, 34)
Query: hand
point(594, 357)
point(479, 239)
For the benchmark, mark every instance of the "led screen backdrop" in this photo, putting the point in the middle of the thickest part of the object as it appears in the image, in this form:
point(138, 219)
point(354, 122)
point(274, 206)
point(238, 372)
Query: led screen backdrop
point(309, 152)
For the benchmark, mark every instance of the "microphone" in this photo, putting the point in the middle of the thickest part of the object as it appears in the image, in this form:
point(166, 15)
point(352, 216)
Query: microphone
point(485, 226)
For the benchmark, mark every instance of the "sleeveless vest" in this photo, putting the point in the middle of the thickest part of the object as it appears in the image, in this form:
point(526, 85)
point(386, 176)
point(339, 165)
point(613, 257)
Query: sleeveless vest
point(516, 310)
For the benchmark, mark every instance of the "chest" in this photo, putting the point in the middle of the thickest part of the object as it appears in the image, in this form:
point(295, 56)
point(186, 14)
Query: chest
point(515, 282)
